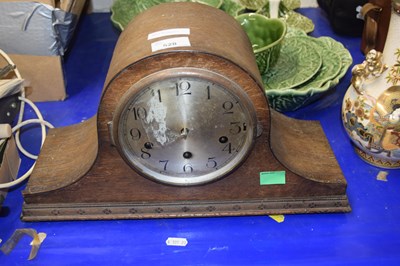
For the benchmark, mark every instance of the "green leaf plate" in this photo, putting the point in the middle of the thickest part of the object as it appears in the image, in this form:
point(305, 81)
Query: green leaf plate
point(123, 11)
point(300, 96)
point(298, 62)
point(330, 68)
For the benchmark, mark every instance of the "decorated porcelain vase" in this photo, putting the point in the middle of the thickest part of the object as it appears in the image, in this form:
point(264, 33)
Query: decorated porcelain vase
point(371, 105)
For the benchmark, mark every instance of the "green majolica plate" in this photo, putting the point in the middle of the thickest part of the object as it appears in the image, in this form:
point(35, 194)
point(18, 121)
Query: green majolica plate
point(291, 4)
point(232, 7)
point(123, 11)
point(297, 20)
point(252, 4)
point(286, 12)
point(295, 98)
point(263, 5)
point(330, 44)
point(293, 32)
point(330, 68)
point(298, 62)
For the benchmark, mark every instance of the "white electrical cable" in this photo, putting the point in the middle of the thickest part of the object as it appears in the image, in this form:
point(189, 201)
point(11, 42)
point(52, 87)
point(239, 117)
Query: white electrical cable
point(32, 121)
point(19, 180)
point(43, 125)
point(21, 123)
point(29, 172)
point(9, 61)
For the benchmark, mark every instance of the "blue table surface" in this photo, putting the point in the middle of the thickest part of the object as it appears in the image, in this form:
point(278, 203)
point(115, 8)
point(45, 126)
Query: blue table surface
point(368, 235)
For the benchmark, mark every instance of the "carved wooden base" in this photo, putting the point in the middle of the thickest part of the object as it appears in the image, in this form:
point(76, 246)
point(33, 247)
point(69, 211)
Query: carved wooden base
point(112, 210)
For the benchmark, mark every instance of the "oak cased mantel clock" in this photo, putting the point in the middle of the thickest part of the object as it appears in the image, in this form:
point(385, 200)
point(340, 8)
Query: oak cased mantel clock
point(183, 130)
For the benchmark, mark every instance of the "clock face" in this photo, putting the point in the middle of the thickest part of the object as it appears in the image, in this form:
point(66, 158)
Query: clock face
point(184, 127)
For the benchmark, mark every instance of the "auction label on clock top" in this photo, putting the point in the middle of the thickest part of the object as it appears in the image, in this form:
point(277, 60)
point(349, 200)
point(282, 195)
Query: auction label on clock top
point(170, 43)
point(168, 32)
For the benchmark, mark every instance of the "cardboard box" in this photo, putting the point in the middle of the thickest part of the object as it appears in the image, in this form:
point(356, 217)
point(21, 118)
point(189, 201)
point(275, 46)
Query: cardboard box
point(100, 6)
point(35, 34)
point(9, 165)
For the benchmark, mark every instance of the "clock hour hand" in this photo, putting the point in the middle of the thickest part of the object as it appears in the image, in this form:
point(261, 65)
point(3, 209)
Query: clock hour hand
point(184, 132)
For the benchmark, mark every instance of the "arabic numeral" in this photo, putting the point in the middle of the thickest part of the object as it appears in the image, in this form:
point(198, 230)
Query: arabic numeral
point(188, 168)
point(139, 113)
point(145, 154)
point(227, 106)
point(165, 163)
point(183, 88)
point(237, 127)
point(135, 133)
point(145, 151)
point(211, 163)
point(228, 148)
point(157, 94)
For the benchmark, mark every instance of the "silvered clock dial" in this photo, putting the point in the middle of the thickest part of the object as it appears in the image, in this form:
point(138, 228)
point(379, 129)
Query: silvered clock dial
point(184, 126)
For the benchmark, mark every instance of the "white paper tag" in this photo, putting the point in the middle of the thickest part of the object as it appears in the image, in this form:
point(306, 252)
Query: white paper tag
point(176, 241)
point(168, 32)
point(170, 43)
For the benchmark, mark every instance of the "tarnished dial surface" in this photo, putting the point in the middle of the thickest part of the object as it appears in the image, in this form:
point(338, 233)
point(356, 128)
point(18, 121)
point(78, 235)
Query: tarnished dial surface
point(184, 127)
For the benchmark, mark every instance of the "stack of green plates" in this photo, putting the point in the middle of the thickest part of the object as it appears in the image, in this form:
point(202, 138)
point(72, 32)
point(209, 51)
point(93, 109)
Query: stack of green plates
point(306, 69)
point(286, 11)
point(123, 11)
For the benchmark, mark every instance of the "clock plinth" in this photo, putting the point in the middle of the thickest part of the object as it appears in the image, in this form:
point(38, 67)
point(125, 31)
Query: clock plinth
point(82, 172)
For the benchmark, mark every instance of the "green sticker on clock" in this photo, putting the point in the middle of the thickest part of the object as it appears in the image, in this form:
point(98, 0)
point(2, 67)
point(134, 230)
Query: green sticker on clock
point(273, 178)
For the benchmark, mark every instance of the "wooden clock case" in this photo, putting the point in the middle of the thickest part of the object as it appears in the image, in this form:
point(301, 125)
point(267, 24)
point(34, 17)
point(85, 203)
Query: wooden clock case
point(80, 175)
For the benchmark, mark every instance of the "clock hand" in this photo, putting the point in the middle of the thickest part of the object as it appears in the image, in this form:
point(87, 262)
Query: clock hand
point(184, 132)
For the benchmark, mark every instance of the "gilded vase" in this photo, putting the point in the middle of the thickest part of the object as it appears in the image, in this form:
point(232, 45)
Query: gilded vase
point(371, 105)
